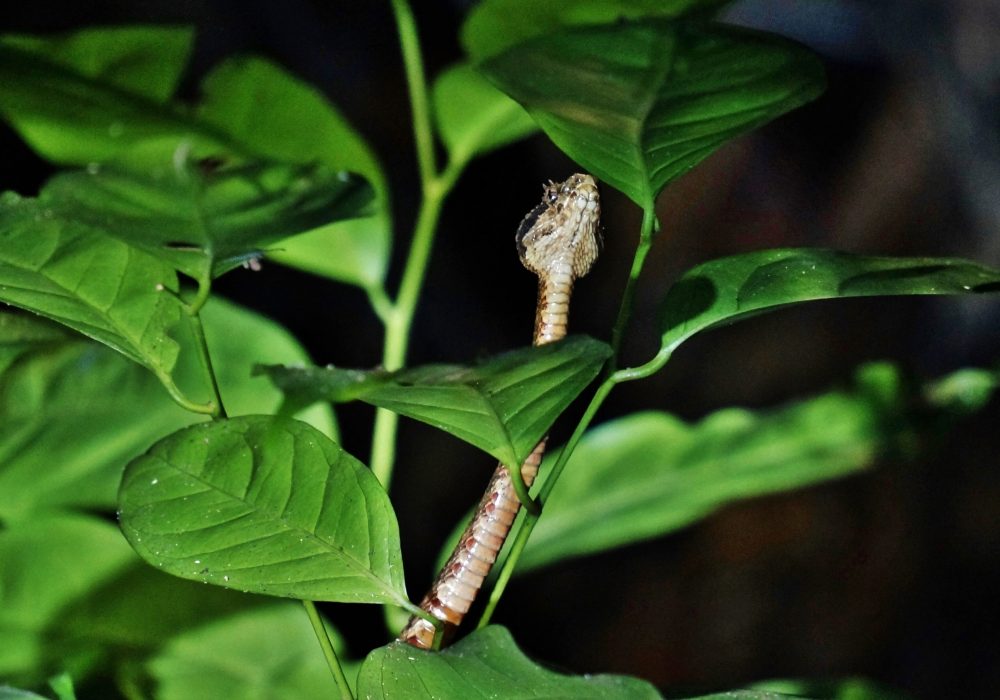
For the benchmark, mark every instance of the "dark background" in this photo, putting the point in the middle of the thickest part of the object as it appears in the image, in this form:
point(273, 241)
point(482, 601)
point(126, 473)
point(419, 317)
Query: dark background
point(891, 574)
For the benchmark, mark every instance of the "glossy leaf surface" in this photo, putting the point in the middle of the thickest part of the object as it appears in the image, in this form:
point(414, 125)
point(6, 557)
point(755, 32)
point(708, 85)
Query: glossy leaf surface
point(205, 220)
point(638, 104)
point(487, 663)
point(97, 285)
point(728, 289)
point(266, 505)
point(495, 25)
point(473, 117)
point(503, 406)
point(268, 652)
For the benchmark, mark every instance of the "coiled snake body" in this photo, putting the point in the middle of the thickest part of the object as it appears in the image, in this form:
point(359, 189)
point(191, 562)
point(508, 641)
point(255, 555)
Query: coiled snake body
point(558, 241)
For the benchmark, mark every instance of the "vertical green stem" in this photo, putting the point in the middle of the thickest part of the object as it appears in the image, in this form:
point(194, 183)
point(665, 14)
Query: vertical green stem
point(206, 362)
point(397, 328)
point(628, 296)
point(328, 651)
point(413, 64)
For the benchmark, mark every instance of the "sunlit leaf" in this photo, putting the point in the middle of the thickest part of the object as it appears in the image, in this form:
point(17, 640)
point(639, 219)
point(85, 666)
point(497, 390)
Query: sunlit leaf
point(640, 103)
point(97, 285)
point(473, 117)
point(487, 663)
point(269, 652)
point(267, 505)
point(204, 219)
point(728, 289)
point(495, 25)
point(503, 406)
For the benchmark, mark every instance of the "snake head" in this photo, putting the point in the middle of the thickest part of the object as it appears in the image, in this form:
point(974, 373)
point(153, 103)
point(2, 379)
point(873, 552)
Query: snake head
point(562, 231)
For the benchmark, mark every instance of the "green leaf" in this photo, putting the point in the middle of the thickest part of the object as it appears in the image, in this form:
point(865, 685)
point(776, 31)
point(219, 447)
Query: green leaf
point(728, 289)
point(487, 663)
point(238, 339)
point(679, 473)
point(71, 415)
point(8, 693)
point(146, 60)
point(99, 286)
point(267, 505)
point(495, 25)
point(277, 116)
point(42, 573)
point(503, 406)
point(638, 104)
point(21, 333)
point(473, 117)
point(206, 220)
point(269, 652)
point(849, 689)
point(74, 596)
point(91, 96)
point(83, 411)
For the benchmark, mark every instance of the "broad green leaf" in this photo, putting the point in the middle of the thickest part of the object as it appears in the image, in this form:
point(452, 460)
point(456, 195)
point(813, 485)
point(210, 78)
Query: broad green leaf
point(8, 693)
point(276, 115)
point(728, 289)
point(21, 333)
point(71, 416)
point(638, 104)
point(205, 220)
point(495, 25)
point(269, 652)
point(486, 664)
point(42, 572)
point(503, 406)
point(92, 96)
point(74, 596)
point(145, 60)
point(678, 473)
point(279, 117)
point(62, 686)
point(264, 504)
point(97, 285)
point(473, 117)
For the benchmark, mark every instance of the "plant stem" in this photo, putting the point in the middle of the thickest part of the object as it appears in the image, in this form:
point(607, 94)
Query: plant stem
point(528, 523)
point(397, 329)
point(628, 296)
point(413, 64)
point(398, 316)
point(328, 651)
point(611, 378)
point(206, 362)
point(209, 408)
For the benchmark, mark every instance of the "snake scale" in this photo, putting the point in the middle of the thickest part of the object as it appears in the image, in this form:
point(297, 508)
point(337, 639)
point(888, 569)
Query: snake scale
point(558, 241)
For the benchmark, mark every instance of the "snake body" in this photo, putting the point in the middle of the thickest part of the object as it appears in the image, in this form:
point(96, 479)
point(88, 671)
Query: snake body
point(558, 240)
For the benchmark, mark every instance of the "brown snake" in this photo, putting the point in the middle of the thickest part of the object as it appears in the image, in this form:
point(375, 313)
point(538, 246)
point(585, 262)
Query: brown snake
point(558, 241)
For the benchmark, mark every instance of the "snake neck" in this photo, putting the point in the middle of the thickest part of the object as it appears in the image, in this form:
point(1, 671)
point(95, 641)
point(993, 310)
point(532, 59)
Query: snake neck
point(552, 310)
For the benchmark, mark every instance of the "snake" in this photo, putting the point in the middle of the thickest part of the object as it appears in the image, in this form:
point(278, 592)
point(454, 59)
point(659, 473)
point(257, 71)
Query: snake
point(558, 240)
